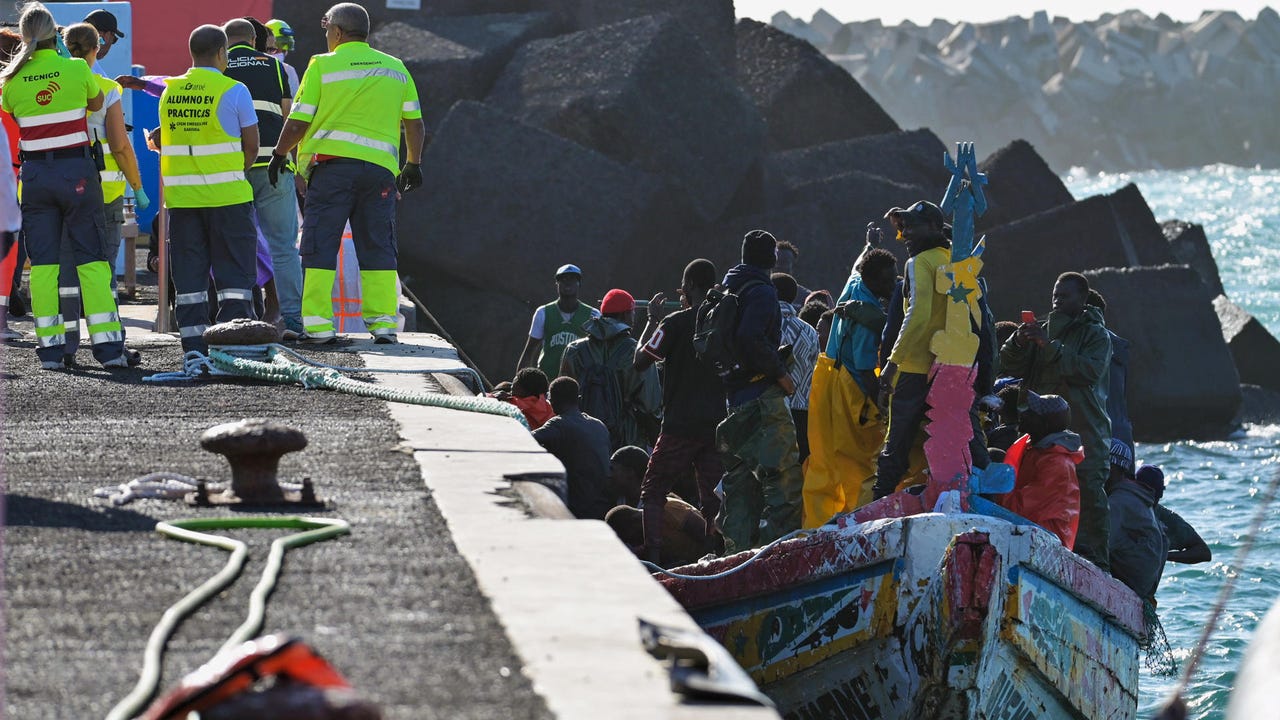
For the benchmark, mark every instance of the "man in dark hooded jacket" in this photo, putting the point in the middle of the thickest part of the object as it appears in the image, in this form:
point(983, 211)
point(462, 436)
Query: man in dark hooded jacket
point(762, 480)
point(1070, 355)
point(635, 396)
point(1138, 544)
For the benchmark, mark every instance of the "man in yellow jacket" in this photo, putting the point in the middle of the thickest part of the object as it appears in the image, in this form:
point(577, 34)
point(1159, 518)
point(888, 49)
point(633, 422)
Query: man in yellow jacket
point(906, 375)
point(346, 119)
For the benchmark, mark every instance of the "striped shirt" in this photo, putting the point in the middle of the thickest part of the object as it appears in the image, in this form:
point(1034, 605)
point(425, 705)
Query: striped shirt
point(803, 340)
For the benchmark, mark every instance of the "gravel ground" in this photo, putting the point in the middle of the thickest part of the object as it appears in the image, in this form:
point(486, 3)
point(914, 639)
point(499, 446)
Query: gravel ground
point(393, 606)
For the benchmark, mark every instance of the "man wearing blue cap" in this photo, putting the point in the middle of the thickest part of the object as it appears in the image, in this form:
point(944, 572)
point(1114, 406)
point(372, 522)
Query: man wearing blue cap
point(557, 324)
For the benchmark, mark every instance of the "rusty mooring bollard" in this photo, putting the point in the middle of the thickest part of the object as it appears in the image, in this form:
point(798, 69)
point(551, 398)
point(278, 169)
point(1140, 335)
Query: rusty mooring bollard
point(253, 447)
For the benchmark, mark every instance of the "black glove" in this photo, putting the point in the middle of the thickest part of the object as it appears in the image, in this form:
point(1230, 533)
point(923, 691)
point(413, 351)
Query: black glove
point(277, 164)
point(410, 177)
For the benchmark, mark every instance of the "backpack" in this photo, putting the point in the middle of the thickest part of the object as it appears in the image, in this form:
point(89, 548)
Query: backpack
point(715, 327)
point(600, 394)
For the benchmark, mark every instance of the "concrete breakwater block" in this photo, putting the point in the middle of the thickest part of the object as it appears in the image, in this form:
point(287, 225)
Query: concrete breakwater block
point(1182, 379)
point(645, 93)
point(828, 219)
point(458, 58)
point(912, 157)
point(710, 21)
point(1021, 185)
point(507, 203)
point(1189, 245)
point(487, 323)
point(1259, 405)
point(805, 98)
point(1025, 257)
point(1256, 351)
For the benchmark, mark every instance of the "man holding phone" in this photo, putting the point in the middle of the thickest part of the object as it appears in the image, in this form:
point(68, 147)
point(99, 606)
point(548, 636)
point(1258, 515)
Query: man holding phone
point(1069, 354)
point(692, 406)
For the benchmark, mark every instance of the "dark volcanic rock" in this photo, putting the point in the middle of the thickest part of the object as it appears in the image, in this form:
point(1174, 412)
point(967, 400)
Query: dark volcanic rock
point(828, 219)
point(1025, 257)
point(1259, 406)
point(913, 157)
point(805, 98)
point(1190, 246)
point(711, 21)
point(1256, 351)
point(304, 16)
point(489, 325)
point(458, 58)
point(1182, 381)
point(507, 203)
point(1021, 185)
point(642, 92)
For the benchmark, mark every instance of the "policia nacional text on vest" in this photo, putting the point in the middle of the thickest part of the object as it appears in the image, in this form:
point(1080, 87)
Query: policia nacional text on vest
point(49, 96)
point(210, 203)
point(267, 83)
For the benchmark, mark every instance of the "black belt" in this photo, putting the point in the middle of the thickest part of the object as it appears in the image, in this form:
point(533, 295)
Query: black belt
point(59, 154)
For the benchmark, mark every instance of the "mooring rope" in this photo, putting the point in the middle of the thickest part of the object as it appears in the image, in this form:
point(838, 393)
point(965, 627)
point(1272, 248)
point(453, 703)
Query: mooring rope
point(272, 362)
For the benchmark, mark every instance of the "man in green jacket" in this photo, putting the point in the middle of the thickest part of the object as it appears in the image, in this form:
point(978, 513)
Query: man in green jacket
point(1069, 355)
point(627, 401)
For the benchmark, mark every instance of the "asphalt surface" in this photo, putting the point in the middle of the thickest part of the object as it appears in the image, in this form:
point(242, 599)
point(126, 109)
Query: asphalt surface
point(393, 606)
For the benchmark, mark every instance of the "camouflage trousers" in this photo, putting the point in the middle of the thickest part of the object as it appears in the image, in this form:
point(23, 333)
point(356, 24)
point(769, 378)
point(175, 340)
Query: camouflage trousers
point(762, 480)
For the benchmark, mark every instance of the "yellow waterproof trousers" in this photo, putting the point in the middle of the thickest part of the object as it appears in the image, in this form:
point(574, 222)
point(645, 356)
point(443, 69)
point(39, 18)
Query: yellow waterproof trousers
point(846, 434)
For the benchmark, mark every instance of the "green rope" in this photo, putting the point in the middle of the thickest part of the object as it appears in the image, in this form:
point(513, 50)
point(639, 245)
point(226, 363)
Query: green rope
point(314, 530)
point(283, 370)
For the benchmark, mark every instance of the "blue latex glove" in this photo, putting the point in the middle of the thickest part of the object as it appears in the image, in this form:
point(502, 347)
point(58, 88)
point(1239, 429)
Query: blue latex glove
point(140, 199)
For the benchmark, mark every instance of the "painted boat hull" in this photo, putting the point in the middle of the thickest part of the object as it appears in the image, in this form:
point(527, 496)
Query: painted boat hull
point(928, 616)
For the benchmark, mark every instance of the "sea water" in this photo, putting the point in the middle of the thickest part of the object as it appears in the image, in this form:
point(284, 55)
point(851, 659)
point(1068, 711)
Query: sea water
point(1216, 486)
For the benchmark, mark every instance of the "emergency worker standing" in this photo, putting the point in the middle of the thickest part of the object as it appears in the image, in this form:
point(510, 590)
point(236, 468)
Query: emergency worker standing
point(119, 165)
point(276, 204)
point(347, 116)
point(50, 97)
point(208, 141)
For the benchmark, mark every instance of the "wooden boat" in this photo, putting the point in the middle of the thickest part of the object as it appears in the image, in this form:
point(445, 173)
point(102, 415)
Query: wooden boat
point(929, 616)
point(936, 603)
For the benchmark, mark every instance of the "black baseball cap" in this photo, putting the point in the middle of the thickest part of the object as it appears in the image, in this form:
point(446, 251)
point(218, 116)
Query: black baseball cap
point(922, 211)
point(104, 22)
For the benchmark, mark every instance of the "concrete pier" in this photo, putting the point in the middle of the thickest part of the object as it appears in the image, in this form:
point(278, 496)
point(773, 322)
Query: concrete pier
point(456, 595)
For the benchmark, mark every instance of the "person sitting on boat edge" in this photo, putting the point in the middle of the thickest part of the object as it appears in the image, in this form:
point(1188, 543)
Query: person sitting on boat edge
point(1047, 491)
point(1138, 545)
point(684, 531)
point(581, 443)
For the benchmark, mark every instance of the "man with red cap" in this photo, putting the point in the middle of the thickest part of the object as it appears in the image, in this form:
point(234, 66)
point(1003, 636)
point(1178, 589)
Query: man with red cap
point(627, 401)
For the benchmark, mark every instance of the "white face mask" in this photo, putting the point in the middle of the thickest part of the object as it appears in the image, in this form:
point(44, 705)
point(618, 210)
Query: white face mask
point(277, 55)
